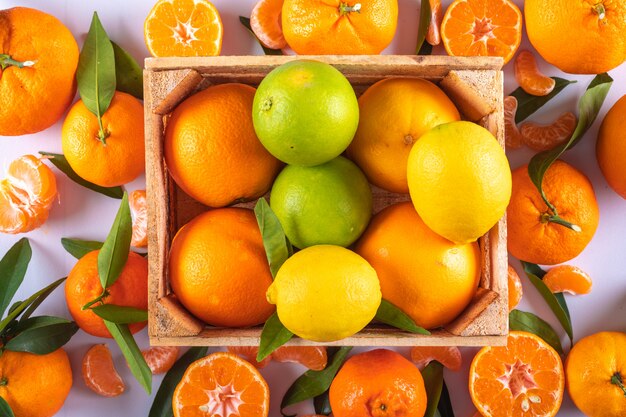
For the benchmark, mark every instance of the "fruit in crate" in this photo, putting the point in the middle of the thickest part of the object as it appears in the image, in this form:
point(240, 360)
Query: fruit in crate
point(218, 268)
point(459, 180)
point(393, 114)
point(611, 147)
point(325, 293)
point(305, 112)
point(211, 149)
point(329, 203)
point(428, 277)
point(378, 383)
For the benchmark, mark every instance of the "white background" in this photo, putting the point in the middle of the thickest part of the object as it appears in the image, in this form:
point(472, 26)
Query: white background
point(88, 215)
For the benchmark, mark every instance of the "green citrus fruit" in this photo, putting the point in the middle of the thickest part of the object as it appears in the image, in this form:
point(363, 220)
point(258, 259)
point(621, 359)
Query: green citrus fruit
point(459, 180)
point(323, 204)
point(305, 112)
point(325, 293)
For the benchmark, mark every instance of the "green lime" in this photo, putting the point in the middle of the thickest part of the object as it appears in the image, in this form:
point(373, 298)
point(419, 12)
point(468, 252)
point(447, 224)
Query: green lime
point(323, 204)
point(305, 112)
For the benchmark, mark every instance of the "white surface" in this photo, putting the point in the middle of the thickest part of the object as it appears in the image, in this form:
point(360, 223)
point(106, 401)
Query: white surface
point(88, 215)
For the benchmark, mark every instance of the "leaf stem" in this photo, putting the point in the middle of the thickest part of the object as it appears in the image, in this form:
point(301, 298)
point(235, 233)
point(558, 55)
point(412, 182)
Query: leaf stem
point(102, 133)
point(345, 8)
point(7, 61)
point(98, 299)
point(616, 379)
point(554, 217)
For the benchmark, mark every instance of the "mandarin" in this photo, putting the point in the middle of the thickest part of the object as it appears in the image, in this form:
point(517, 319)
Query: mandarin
point(611, 147)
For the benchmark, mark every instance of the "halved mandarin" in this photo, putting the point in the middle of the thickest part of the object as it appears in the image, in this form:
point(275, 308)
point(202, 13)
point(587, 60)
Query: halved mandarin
point(568, 278)
point(266, 23)
point(448, 356)
point(529, 77)
point(99, 372)
point(545, 137)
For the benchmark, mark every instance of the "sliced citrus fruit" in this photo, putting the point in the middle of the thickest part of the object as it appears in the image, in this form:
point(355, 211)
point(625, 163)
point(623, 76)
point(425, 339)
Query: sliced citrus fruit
point(448, 356)
point(515, 288)
point(569, 279)
point(482, 28)
point(249, 353)
point(529, 77)
point(221, 385)
point(183, 28)
point(313, 357)
point(99, 372)
point(523, 378)
point(265, 22)
point(139, 213)
point(160, 358)
point(433, 36)
point(512, 135)
point(545, 137)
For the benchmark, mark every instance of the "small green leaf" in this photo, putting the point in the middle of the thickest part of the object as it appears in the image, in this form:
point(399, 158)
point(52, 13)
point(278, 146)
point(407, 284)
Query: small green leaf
point(13, 266)
point(131, 352)
point(5, 409)
point(128, 73)
point(120, 314)
point(268, 51)
point(322, 404)
point(425, 15)
point(114, 252)
point(59, 161)
point(42, 338)
point(273, 336)
point(79, 248)
point(314, 383)
point(39, 321)
point(433, 382)
point(527, 104)
point(276, 244)
point(529, 322)
point(162, 404)
point(445, 405)
point(390, 314)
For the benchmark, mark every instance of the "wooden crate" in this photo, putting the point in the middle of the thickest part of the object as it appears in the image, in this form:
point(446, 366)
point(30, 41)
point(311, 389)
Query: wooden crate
point(474, 84)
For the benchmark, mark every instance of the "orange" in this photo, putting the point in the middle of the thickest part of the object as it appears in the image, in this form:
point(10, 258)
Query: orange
point(83, 285)
point(512, 135)
point(139, 212)
point(583, 37)
point(611, 147)
point(38, 84)
point(524, 378)
point(35, 385)
point(448, 356)
point(218, 268)
point(183, 28)
point(482, 28)
point(121, 158)
point(160, 358)
point(221, 385)
point(249, 353)
point(428, 277)
point(266, 24)
point(545, 137)
point(26, 195)
point(99, 372)
point(378, 383)
point(515, 288)
point(313, 357)
point(596, 374)
point(532, 236)
point(210, 135)
point(529, 77)
point(393, 114)
point(568, 278)
point(336, 27)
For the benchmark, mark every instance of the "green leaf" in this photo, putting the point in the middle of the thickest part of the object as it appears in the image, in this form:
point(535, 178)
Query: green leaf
point(322, 404)
point(96, 69)
point(425, 15)
point(314, 383)
point(273, 336)
point(162, 404)
point(79, 248)
point(114, 253)
point(445, 405)
point(13, 266)
point(527, 104)
point(390, 314)
point(588, 108)
point(433, 382)
point(131, 352)
point(42, 338)
point(561, 314)
point(59, 161)
point(39, 321)
point(120, 314)
point(268, 51)
point(529, 322)
point(276, 244)
point(5, 409)
point(128, 73)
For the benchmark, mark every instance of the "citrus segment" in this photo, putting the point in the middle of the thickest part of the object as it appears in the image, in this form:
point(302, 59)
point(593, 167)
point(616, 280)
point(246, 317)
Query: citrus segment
point(313, 357)
point(160, 358)
point(515, 288)
point(529, 77)
point(512, 135)
point(249, 353)
point(139, 213)
point(546, 137)
point(448, 356)
point(265, 22)
point(568, 278)
point(433, 36)
point(99, 372)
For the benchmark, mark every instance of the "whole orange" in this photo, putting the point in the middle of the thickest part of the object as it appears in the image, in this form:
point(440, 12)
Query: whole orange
point(425, 275)
point(121, 158)
point(354, 27)
point(218, 268)
point(211, 149)
point(611, 147)
point(393, 114)
point(35, 385)
point(378, 383)
point(532, 237)
point(38, 60)
point(585, 37)
point(83, 285)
